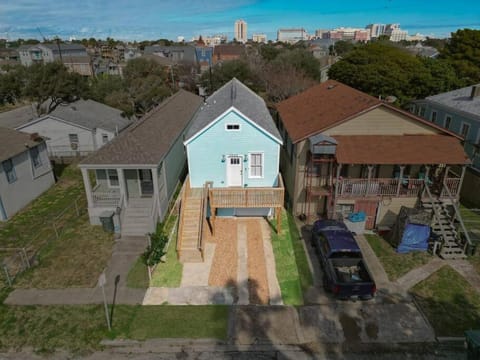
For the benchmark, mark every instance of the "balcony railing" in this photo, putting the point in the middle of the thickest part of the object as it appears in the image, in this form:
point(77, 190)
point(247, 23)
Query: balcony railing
point(389, 187)
point(254, 197)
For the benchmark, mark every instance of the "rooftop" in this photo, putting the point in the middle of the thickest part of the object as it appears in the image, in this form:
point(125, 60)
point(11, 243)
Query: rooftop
point(460, 100)
point(322, 106)
point(149, 140)
point(17, 117)
point(14, 142)
point(234, 94)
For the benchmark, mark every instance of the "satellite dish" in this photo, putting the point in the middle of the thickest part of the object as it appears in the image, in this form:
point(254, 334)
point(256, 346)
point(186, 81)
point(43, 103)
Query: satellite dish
point(390, 99)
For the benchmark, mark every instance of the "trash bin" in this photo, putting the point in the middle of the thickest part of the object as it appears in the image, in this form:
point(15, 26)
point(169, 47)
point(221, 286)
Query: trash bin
point(106, 218)
point(472, 338)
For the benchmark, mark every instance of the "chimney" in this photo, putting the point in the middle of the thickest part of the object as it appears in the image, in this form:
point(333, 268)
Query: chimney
point(475, 92)
point(35, 137)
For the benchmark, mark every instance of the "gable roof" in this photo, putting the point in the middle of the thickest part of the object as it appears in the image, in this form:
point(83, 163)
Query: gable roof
point(149, 140)
point(229, 49)
point(19, 116)
point(460, 100)
point(89, 114)
point(321, 106)
point(14, 142)
point(233, 94)
point(400, 149)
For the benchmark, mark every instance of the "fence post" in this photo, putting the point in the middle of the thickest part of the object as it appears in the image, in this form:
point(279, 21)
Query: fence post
point(9, 280)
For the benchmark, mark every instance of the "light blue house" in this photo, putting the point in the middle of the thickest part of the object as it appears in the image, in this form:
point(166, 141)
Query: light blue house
point(234, 145)
point(457, 111)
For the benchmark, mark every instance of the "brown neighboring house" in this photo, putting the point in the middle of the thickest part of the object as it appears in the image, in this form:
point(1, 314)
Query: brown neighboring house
point(347, 151)
point(227, 52)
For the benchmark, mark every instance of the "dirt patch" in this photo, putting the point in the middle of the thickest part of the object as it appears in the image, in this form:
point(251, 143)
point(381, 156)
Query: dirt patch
point(257, 270)
point(224, 266)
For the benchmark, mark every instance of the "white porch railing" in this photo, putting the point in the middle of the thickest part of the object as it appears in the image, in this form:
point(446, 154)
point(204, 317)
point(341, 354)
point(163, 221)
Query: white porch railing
point(452, 184)
point(104, 197)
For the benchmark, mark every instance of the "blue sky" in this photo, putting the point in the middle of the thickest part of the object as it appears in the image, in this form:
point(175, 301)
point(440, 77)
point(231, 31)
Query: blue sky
point(154, 19)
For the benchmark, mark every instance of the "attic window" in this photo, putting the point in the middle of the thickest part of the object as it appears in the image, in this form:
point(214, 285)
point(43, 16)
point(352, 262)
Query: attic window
point(232, 127)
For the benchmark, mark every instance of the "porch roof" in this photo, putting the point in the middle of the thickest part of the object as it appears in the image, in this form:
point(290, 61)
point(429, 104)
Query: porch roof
point(400, 149)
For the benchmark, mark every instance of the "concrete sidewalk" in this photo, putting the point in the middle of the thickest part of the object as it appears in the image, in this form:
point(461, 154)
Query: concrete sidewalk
point(125, 252)
point(419, 274)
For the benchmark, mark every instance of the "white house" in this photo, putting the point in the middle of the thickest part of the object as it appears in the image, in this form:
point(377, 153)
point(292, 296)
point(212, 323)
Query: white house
point(73, 129)
point(25, 171)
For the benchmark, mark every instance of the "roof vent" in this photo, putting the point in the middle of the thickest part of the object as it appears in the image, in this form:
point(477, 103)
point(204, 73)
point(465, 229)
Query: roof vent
point(475, 92)
point(330, 87)
point(233, 93)
point(74, 108)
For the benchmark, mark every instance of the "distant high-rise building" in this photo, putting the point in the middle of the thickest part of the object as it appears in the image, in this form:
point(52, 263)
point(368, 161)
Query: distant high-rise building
point(240, 31)
point(319, 33)
point(259, 38)
point(376, 30)
point(292, 35)
point(396, 34)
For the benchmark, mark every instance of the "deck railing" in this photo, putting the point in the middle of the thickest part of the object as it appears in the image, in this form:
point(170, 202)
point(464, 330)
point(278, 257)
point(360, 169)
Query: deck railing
point(452, 184)
point(185, 190)
point(252, 197)
point(106, 197)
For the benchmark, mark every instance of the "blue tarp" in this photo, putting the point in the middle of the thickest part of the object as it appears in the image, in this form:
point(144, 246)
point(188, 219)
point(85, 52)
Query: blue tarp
point(415, 238)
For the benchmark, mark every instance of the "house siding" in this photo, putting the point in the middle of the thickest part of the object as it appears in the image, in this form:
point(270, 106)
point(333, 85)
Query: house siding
point(30, 182)
point(380, 121)
point(205, 153)
point(175, 162)
point(457, 120)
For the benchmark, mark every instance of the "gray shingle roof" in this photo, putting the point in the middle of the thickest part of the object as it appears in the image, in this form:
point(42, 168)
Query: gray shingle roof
point(14, 142)
point(17, 117)
point(91, 115)
point(150, 139)
point(459, 100)
point(176, 53)
point(234, 94)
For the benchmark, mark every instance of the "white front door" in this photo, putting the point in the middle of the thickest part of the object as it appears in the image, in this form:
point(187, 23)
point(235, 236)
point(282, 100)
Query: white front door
point(234, 170)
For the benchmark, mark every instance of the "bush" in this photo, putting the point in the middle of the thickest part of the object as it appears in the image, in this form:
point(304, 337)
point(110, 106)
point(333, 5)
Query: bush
point(154, 252)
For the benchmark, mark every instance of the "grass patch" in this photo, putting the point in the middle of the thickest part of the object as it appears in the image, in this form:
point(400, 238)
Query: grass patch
point(80, 329)
point(293, 272)
point(169, 273)
point(449, 302)
point(138, 275)
point(396, 265)
point(471, 220)
point(178, 322)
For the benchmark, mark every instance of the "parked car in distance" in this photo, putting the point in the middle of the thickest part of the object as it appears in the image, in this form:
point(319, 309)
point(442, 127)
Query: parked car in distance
point(345, 273)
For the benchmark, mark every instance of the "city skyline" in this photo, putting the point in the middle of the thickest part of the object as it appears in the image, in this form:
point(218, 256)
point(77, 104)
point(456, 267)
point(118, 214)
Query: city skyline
point(148, 19)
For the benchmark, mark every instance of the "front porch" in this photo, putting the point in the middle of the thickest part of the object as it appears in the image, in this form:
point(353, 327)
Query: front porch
point(134, 192)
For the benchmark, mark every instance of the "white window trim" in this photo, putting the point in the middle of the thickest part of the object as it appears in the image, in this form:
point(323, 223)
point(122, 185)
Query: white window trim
point(431, 116)
point(108, 179)
point(445, 121)
point(228, 124)
point(461, 129)
point(250, 176)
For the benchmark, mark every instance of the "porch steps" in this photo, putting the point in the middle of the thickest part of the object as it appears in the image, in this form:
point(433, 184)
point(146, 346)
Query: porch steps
point(190, 217)
point(443, 224)
point(136, 218)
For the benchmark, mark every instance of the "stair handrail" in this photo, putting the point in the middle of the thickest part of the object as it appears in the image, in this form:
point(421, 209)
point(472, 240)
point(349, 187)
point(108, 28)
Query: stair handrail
point(435, 211)
point(203, 214)
point(458, 216)
point(185, 188)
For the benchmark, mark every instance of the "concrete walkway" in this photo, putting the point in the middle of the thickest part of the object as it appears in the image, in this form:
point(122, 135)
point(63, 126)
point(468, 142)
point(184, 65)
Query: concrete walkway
point(469, 273)
point(191, 295)
point(197, 274)
point(417, 275)
point(374, 265)
point(125, 252)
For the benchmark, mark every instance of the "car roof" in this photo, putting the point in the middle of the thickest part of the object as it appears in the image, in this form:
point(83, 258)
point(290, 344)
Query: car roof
point(338, 236)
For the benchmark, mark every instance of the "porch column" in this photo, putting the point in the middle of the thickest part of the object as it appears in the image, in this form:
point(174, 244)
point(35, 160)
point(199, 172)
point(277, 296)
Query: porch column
point(88, 186)
point(370, 169)
point(156, 192)
point(464, 167)
point(427, 179)
point(445, 176)
point(400, 179)
point(337, 189)
point(123, 186)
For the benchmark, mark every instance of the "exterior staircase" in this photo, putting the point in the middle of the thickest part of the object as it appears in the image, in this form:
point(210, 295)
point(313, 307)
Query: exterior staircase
point(137, 217)
point(189, 245)
point(444, 224)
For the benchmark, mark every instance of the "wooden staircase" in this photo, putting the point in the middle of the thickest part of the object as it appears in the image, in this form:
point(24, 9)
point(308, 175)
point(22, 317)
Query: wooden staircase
point(189, 245)
point(443, 224)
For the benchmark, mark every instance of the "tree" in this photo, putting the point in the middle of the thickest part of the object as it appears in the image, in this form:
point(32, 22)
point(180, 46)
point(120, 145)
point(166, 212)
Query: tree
point(341, 48)
point(224, 72)
point(11, 84)
point(381, 69)
point(463, 50)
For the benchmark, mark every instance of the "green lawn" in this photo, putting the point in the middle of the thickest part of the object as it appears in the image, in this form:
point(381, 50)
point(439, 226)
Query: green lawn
point(449, 302)
point(293, 272)
point(166, 274)
point(396, 265)
point(80, 329)
point(77, 256)
point(471, 220)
